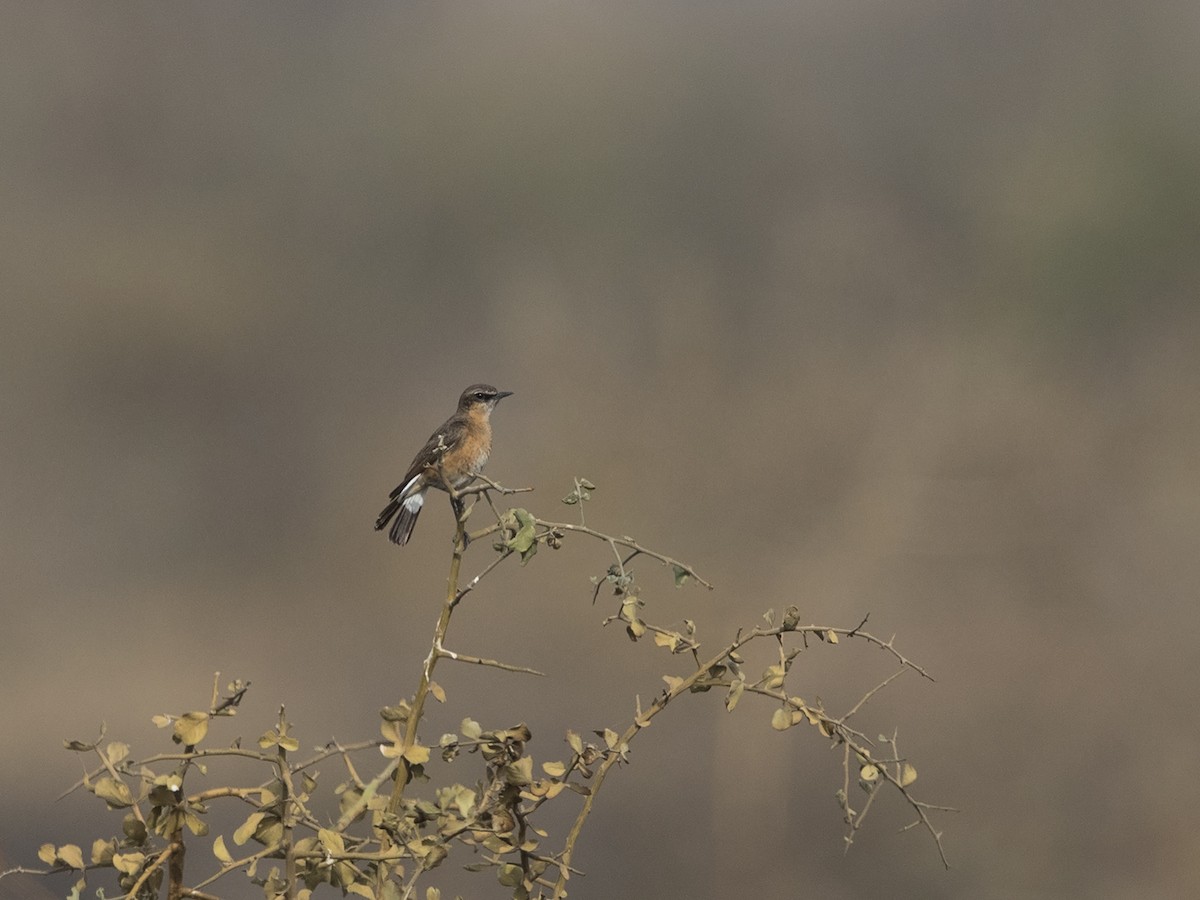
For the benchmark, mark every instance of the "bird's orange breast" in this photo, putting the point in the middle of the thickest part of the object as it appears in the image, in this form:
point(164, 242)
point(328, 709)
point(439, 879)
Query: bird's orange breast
point(470, 452)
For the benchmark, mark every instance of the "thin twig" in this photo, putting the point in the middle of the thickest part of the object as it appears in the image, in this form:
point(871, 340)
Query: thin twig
point(871, 693)
point(624, 541)
point(149, 870)
point(480, 661)
point(887, 645)
point(837, 728)
point(22, 870)
point(918, 805)
point(485, 489)
point(236, 864)
point(474, 582)
point(336, 749)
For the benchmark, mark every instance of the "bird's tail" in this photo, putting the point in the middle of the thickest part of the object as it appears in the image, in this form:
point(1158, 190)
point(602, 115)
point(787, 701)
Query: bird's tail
point(406, 511)
point(402, 528)
point(386, 516)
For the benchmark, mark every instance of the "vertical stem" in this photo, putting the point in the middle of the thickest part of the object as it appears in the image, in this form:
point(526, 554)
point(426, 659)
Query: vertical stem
point(175, 866)
point(613, 756)
point(435, 653)
point(288, 821)
point(560, 886)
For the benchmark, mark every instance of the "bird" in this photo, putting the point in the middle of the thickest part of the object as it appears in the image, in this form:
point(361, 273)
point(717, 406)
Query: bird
point(457, 451)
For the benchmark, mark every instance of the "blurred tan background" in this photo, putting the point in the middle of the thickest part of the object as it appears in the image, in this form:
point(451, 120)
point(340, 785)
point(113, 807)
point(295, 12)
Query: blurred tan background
point(871, 307)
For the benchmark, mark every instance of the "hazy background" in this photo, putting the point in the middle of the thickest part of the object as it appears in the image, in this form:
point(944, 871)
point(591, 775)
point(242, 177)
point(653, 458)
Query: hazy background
point(866, 307)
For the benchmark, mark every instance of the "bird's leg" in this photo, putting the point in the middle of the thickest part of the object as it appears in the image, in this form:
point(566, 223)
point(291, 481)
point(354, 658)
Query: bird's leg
point(460, 510)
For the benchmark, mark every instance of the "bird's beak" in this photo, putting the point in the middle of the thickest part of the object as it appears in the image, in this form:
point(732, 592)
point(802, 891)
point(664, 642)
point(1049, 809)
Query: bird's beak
point(500, 395)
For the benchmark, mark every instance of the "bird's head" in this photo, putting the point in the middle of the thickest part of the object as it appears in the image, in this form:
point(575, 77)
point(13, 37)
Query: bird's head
point(479, 396)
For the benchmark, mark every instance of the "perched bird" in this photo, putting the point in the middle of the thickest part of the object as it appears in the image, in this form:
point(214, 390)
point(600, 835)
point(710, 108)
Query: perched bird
point(457, 451)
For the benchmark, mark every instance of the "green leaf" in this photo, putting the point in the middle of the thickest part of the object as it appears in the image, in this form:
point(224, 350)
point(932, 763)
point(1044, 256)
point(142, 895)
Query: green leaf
point(220, 852)
point(681, 575)
point(102, 852)
point(510, 875)
point(71, 855)
point(349, 800)
point(113, 792)
point(195, 824)
point(774, 676)
point(575, 742)
point(459, 797)
point(434, 857)
point(269, 831)
point(331, 840)
point(398, 713)
point(47, 854)
point(190, 728)
point(471, 730)
point(524, 541)
point(519, 773)
point(129, 863)
point(669, 640)
point(735, 694)
point(417, 755)
point(391, 730)
point(289, 744)
point(133, 828)
point(246, 829)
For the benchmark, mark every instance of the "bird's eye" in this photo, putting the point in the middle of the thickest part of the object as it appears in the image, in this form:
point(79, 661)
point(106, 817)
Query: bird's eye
point(480, 395)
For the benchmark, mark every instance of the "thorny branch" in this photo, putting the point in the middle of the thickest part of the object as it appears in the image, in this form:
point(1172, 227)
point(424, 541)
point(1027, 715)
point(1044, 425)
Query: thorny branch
point(497, 817)
point(703, 677)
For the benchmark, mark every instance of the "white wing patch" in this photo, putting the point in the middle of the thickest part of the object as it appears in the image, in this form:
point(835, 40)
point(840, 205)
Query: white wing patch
point(412, 483)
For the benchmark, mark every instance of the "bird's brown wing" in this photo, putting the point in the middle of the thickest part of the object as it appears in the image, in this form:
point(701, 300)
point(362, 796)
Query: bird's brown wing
point(439, 442)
